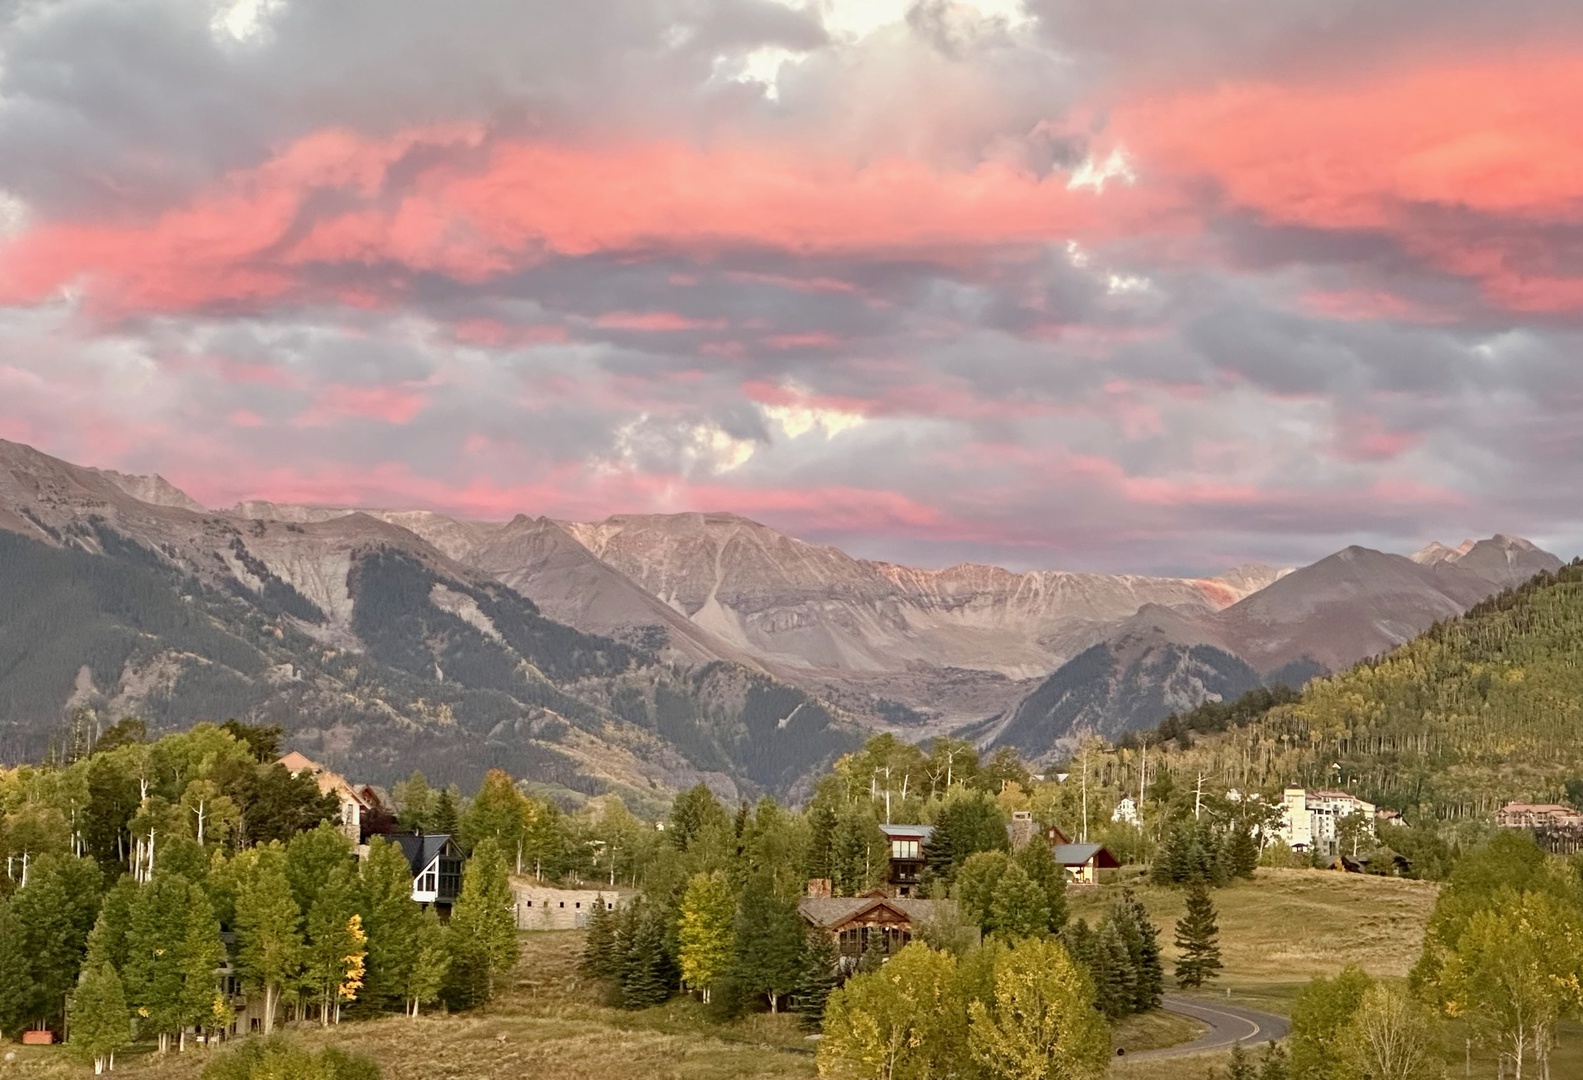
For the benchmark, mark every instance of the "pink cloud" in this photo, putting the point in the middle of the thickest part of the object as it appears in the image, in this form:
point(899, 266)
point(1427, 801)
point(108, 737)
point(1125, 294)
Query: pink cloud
point(390, 404)
point(1491, 135)
point(244, 242)
point(659, 321)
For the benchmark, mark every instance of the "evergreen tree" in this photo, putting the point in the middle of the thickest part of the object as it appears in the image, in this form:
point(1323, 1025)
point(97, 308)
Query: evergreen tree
point(822, 824)
point(695, 812)
point(268, 928)
point(483, 931)
point(445, 815)
point(1020, 908)
point(416, 800)
point(1242, 851)
point(816, 977)
point(970, 822)
point(1197, 940)
point(1142, 938)
point(601, 950)
point(1119, 991)
point(1038, 861)
point(858, 853)
point(16, 983)
point(100, 1022)
point(769, 940)
point(647, 974)
point(1080, 942)
point(706, 936)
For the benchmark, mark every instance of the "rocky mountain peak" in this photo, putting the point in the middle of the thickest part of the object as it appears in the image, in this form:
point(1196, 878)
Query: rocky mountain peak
point(154, 490)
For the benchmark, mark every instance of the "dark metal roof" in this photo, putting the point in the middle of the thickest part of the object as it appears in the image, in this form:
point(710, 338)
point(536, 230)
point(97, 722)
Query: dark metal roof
point(1079, 854)
point(905, 832)
point(422, 848)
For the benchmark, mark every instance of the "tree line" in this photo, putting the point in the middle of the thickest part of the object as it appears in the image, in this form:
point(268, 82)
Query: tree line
point(147, 883)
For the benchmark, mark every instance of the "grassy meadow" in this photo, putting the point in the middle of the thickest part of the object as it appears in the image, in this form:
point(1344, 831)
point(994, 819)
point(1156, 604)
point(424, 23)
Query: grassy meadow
point(1286, 926)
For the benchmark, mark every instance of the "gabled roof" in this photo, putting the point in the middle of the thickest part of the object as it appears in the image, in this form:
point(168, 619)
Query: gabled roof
point(830, 912)
point(1079, 854)
point(907, 832)
point(422, 849)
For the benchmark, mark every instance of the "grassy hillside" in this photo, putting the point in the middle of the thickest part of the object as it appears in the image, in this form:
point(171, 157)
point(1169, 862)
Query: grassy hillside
point(1478, 710)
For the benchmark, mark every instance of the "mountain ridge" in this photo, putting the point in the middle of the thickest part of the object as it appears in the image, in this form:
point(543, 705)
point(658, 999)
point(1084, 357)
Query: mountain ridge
point(918, 651)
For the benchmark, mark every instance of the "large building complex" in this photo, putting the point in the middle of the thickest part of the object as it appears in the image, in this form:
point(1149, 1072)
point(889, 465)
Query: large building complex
point(1312, 819)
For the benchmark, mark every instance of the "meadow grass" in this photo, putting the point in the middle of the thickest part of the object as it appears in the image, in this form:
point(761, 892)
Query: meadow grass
point(1286, 926)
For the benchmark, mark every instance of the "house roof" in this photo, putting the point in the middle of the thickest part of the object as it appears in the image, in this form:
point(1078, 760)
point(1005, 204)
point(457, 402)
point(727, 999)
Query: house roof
point(296, 762)
point(907, 832)
point(1079, 854)
point(830, 912)
point(421, 848)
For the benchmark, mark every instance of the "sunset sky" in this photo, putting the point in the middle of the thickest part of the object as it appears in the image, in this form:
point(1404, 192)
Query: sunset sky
point(1157, 285)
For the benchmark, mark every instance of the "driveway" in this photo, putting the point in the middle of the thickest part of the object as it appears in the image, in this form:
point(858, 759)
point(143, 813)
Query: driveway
point(1228, 1025)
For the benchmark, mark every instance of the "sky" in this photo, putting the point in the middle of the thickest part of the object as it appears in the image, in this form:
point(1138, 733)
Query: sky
point(1148, 285)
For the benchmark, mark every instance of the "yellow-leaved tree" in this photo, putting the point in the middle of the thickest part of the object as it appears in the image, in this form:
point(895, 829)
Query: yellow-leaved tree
point(1039, 1021)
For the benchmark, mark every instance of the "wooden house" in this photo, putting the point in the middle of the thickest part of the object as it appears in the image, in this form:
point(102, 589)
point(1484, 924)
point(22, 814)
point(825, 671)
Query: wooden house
point(861, 924)
point(1083, 862)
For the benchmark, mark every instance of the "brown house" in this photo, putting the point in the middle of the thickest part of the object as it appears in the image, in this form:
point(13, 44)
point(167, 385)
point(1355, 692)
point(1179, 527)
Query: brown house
point(861, 924)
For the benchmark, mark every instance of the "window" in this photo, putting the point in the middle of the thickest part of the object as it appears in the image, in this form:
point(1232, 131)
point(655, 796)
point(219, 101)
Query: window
point(429, 882)
point(563, 903)
point(578, 905)
point(530, 903)
point(904, 849)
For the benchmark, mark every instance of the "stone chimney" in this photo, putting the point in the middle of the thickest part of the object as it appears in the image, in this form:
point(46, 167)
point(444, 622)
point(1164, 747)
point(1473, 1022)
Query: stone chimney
point(1021, 830)
point(819, 888)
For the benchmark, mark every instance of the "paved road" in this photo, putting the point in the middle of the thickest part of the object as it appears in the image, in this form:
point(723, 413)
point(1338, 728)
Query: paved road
point(1228, 1025)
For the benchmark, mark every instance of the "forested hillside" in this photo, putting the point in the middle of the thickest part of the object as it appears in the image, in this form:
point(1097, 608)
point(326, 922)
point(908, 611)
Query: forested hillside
point(1480, 709)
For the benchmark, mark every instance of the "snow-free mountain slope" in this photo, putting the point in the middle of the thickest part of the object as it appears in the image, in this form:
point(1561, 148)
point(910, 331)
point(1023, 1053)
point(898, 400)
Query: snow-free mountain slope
point(1324, 617)
point(804, 605)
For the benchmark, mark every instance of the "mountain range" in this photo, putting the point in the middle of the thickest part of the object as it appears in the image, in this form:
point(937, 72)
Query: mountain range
point(636, 653)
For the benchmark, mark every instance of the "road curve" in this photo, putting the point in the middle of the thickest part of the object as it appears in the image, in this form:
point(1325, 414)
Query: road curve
point(1228, 1026)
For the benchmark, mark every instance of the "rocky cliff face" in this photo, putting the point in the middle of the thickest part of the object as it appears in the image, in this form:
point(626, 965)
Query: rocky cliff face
point(946, 645)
